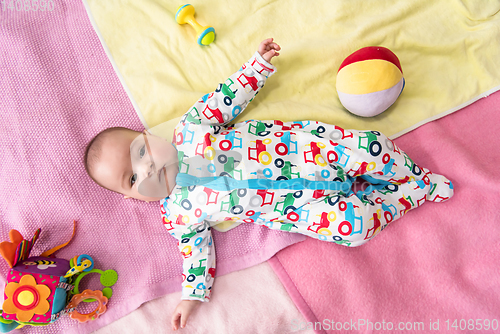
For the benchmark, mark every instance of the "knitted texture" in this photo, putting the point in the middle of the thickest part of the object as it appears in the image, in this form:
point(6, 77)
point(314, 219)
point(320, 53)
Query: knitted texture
point(57, 91)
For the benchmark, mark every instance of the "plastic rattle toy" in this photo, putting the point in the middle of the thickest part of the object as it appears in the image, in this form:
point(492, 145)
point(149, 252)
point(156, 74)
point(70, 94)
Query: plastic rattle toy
point(84, 263)
point(77, 299)
point(108, 278)
point(185, 14)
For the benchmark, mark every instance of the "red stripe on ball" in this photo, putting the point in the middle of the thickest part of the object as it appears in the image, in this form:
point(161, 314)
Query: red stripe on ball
point(371, 52)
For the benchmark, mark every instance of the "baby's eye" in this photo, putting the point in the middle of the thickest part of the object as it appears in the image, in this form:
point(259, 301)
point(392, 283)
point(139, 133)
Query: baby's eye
point(133, 179)
point(142, 151)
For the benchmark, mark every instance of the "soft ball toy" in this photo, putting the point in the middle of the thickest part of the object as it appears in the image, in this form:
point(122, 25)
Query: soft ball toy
point(369, 81)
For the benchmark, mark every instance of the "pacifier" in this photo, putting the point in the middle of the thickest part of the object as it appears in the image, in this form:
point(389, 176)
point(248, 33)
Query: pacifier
point(153, 159)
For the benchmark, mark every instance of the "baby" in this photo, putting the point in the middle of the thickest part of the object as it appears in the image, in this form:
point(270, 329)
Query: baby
point(291, 176)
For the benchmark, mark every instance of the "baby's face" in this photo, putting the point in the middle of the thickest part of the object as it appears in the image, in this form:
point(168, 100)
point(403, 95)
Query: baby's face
point(137, 165)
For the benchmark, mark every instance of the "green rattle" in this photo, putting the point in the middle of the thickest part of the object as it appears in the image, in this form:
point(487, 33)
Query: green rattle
point(108, 278)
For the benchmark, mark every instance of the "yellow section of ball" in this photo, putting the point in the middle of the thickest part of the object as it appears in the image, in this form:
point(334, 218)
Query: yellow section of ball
point(368, 76)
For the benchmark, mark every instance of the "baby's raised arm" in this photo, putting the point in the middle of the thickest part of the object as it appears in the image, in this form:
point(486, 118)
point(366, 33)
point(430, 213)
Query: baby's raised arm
point(231, 97)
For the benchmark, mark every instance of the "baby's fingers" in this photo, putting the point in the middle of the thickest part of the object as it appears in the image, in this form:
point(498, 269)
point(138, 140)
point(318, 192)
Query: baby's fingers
point(269, 55)
point(265, 45)
point(266, 41)
point(184, 318)
point(175, 320)
point(274, 46)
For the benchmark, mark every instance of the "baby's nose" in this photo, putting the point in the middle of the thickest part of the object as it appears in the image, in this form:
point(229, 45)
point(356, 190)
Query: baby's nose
point(148, 169)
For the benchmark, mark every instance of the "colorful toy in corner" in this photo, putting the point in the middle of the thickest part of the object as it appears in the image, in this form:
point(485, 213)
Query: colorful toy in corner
point(369, 81)
point(185, 14)
point(40, 289)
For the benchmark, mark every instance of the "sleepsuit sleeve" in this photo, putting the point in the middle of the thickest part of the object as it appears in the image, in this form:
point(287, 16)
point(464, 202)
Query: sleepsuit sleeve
point(198, 270)
point(231, 97)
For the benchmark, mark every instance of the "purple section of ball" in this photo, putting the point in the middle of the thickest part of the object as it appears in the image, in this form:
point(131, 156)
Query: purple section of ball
point(371, 104)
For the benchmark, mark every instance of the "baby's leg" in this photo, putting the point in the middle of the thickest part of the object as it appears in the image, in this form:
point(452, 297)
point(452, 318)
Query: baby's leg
point(372, 153)
point(354, 219)
point(377, 159)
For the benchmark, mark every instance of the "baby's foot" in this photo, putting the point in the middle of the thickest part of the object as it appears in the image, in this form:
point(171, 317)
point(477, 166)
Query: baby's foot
point(441, 189)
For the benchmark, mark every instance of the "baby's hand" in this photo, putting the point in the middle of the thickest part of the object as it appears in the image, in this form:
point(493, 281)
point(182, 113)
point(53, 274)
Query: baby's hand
point(268, 49)
point(182, 312)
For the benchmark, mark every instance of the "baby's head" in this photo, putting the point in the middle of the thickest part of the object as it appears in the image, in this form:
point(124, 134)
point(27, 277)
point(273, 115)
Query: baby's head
point(135, 164)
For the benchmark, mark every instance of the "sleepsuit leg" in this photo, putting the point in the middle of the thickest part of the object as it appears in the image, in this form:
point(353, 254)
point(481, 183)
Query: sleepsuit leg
point(377, 159)
point(351, 220)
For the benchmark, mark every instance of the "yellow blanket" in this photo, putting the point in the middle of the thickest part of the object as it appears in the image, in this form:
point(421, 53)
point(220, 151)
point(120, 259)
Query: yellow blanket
point(449, 51)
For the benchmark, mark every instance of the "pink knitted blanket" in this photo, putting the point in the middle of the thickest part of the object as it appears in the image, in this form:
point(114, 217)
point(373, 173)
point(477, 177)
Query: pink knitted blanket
point(433, 271)
point(57, 90)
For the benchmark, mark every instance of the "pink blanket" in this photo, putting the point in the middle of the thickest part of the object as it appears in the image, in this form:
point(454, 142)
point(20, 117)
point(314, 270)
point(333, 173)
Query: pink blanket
point(437, 267)
point(57, 90)
point(236, 308)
